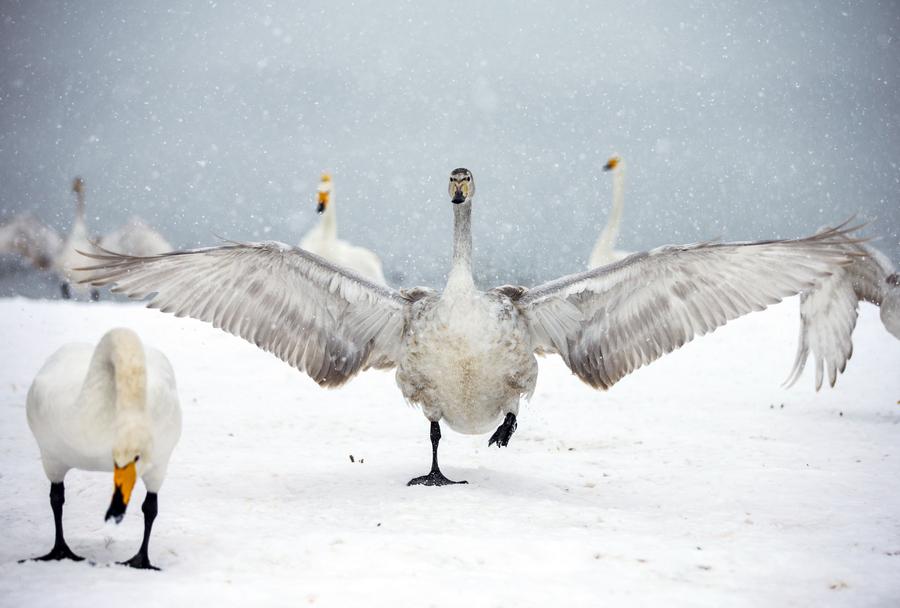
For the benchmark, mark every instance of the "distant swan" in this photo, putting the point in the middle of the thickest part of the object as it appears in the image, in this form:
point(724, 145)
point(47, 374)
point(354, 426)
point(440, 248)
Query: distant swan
point(110, 408)
point(828, 312)
point(135, 237)
point(468, 356)
point(604, 252)
point(28, 237)
point(322, 240)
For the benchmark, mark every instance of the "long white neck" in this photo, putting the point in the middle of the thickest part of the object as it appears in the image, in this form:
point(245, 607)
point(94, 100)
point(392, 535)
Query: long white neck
point(606, 242)
point(328, 223)
point(116, 387)
point(461, 271)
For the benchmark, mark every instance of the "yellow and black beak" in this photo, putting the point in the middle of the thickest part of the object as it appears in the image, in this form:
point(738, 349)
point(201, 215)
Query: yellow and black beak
point(323, 201)
point(123, 482)
point(611, 164)
point(459, 192)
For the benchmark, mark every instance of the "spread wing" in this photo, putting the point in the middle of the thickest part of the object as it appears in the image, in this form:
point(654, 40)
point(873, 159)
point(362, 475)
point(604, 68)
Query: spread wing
point(608, 322)
point(828, 313)
point(319, 318)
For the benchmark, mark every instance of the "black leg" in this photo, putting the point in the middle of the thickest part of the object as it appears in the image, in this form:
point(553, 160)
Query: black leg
point(141, 559)
point(504, 432)
point(66, 292)
point(435, 477)
point(60, 548)
point(95, 295)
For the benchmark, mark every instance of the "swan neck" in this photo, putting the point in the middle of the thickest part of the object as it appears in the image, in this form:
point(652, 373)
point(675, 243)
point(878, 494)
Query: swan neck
point(606, 242)
point(79, 206)
point(461, 270)
point(117, 382)
point(329, 221)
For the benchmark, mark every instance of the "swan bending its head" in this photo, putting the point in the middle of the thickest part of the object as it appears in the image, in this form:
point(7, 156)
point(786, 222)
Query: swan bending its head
point(467, 356)
point(113, 407)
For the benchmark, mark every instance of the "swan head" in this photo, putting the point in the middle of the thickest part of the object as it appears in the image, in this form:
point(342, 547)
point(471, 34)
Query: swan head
point(78, 186)
point(613, 163)
point(462, 186)
point(124, 478)
point(325, 189)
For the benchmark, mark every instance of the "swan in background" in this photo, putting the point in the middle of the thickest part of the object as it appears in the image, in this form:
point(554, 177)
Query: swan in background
point(322, 240)
point(603, 252)
point(68, 258)
point(467, 356)
point(134, 237)
point(28, 237)
point(110, 408)
point(828, 312)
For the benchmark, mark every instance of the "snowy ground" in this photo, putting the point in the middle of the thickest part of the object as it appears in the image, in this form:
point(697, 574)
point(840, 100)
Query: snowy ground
point(696, 481)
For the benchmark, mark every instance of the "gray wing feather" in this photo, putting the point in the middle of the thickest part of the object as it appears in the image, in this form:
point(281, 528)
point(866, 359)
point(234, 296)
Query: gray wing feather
point(608, 322)
point(321, 319)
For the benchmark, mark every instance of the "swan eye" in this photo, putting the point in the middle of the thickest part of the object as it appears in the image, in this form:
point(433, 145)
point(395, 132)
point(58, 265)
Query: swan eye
point(136, 458)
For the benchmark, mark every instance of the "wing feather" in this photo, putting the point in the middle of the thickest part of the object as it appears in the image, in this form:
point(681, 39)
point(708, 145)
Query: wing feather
point(623, 316)
point(324, 320)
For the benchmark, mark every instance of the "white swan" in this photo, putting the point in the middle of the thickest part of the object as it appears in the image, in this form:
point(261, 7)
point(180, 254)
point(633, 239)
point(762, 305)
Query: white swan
point(468, 356)
point(828, 312)
point(28, 237)
point(604, 252)
point(322, 240)
point(110, 408)
point(68, 259)
point(134, 237)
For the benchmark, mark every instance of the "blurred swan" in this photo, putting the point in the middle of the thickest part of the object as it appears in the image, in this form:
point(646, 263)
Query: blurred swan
point(467, 356)
point(28, 237)
point(113, 407)
point(828, 312)
point(135, 237)
point(78, 239)
point(604, 252)
point(322, 240)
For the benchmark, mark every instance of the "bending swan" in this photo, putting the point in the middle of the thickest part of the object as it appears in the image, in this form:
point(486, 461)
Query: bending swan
point(468, 356)
point(604, 252)
point(110, 408)
point(828, 312)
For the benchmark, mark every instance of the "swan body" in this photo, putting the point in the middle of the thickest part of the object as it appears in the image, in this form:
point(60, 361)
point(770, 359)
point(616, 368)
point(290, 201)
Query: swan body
point(322, 240)
point(604, 251)
point(28, 237)
point(828, 312)
point(113, 407)
point(464, 355)
point(135, 237)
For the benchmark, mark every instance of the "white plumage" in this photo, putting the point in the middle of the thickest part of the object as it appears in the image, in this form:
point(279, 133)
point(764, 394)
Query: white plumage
point(828, 312)
point(322, 240)
point(467, 356)
point(604, 251)
point(28, 237)
point(113, 407)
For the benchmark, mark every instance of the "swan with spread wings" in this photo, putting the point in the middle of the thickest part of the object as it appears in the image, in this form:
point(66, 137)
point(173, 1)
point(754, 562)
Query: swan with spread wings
point(467, 356)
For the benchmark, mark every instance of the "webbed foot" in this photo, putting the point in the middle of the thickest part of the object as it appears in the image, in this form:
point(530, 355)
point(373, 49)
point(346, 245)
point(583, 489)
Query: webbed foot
point(59, 552)
point(139, 561)
point(434, 478)
point(504, 432)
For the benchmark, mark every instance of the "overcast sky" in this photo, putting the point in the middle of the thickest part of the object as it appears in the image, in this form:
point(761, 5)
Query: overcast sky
point(741, 120)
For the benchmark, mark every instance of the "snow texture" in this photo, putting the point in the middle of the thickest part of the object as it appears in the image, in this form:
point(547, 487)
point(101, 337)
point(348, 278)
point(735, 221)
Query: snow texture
point(697, 481)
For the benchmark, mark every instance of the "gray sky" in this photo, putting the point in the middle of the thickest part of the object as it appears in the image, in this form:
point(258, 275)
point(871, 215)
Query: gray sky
point(740, 120)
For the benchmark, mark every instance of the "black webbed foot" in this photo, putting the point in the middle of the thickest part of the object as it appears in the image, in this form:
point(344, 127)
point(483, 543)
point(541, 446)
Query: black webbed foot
point(139, 561)
point(59, 552)
point(434, 478)
point(504, 432)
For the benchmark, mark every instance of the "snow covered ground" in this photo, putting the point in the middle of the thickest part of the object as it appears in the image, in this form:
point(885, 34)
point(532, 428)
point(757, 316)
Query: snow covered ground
point(696, 481)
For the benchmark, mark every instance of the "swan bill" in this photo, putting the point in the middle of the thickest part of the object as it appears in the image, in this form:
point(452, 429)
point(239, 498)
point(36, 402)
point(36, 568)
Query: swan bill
point(611, 164)
point(123, 482)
